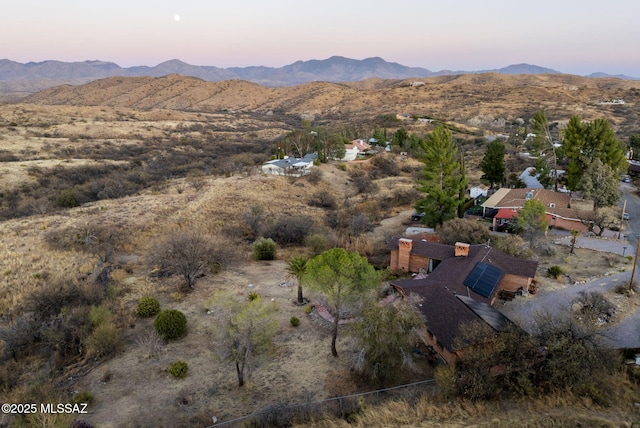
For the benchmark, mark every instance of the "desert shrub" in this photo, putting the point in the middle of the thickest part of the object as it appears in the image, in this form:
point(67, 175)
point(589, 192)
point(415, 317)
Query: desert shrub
point(18, 336)
point(337, 220)
point(99, 315)
point(315, 176)
point(80, 424)
point(322, 199)
point(363, 183)
point(253, 296)
point(188, 253)
point(554, 271)
point(290, 230)
point(264, 249)
point(595, 307)
point(178, 369)
point(317, 243)
point(170, 324)
point(284, 415)
point(513, 245)
point(464, 230)
point(49, 300)
point(151, 344)
point(82, 397)
point(294, 321)
point(360, 224)
point(67, 199)
point(384, 166)
point(547, 249)
point(105, 340)
point(148, 307)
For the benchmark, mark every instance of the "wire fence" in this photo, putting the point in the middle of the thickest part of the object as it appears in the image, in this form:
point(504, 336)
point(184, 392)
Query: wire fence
point(279, 414)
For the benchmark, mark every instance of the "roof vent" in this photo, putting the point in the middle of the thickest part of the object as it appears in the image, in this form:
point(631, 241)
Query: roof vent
point(552, 205)
point(528, 195)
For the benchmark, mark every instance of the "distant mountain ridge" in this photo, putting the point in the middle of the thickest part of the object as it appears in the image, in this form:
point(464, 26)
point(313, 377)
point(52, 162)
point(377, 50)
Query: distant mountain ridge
point(333, 69)
point(24, 79)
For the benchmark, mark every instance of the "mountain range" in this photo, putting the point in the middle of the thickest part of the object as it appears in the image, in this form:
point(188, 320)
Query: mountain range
point(18, 80)
point(334, 69)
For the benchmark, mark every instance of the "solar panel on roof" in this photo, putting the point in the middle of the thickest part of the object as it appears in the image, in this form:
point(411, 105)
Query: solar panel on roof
point(483, 279)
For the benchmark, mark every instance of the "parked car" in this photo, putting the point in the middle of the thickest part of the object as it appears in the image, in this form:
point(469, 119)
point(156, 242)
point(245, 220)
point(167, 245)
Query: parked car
point(416, 217)
point(625, 216)
point(627, 179)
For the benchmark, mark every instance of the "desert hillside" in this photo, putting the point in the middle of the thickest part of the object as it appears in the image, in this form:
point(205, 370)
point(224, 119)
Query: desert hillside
point(95, 178)
point(484, 100)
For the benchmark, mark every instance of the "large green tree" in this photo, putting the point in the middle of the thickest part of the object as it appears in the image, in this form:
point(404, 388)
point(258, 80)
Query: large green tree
point(600, 183)
point(585, 142)
point(442, 179)
point(492, 164)
point(343, 277)
point(532, 219)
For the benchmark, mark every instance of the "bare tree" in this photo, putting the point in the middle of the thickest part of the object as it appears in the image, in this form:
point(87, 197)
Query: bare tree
point(189, 254)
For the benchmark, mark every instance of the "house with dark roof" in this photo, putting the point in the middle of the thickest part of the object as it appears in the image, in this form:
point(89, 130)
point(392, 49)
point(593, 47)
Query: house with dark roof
point(457, 285)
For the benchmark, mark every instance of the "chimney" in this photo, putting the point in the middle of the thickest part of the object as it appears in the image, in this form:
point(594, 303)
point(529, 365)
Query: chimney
point(404, 253)
point(462, 249)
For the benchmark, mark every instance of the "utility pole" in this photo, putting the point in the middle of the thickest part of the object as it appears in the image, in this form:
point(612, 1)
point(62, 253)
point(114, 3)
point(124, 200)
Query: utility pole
point(633, 271)
point(624, 209)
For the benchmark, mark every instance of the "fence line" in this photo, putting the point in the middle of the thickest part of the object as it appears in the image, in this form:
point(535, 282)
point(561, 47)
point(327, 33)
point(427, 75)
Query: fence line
point(327, 400)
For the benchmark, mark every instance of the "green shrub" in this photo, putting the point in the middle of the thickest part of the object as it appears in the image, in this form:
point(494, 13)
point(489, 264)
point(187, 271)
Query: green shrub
point(308, 309)
point(294, 321)
point(148, 307)
point(99, 315)
point(554, 271)
point(82, 397)
point(264, 249)
point(317, 243)
point(67, 199)
point(253, 296)
point(178, 369)
point(105, 340)
point(170, 324)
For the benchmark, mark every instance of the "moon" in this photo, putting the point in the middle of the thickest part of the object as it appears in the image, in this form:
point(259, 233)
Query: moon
point(176, 17)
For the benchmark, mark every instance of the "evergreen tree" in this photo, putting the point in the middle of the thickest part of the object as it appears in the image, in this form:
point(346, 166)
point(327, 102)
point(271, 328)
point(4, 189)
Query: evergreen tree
point(585, 142)
point(343, 277)
point(442, 180)
point(600, 183)
point(492, 164)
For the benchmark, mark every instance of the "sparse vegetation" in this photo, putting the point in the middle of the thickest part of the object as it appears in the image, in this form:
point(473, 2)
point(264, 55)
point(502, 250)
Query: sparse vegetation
point(265, 249)
point(554, 271)
point(148, 307)
point(178, 369)
point(171, 324)
point(74, 273)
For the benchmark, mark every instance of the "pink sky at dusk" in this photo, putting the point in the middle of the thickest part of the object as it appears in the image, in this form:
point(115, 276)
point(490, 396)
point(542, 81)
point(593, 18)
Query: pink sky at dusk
point(579, 38)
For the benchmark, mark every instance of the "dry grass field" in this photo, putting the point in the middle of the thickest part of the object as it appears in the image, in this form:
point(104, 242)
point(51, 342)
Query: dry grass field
point(188, 152)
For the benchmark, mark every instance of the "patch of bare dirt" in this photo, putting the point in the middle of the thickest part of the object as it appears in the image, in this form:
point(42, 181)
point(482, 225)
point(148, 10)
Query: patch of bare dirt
point(141, 390)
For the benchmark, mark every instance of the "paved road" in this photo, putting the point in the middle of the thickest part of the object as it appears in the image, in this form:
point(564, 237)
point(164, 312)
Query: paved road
point(525, 310)
point(626, 333)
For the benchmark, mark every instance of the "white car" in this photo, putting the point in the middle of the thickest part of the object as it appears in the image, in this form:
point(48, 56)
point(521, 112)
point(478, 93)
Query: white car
point(625, 216)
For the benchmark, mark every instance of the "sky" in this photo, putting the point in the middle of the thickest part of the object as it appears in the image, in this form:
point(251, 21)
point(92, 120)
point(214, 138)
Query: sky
point(565, 35)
